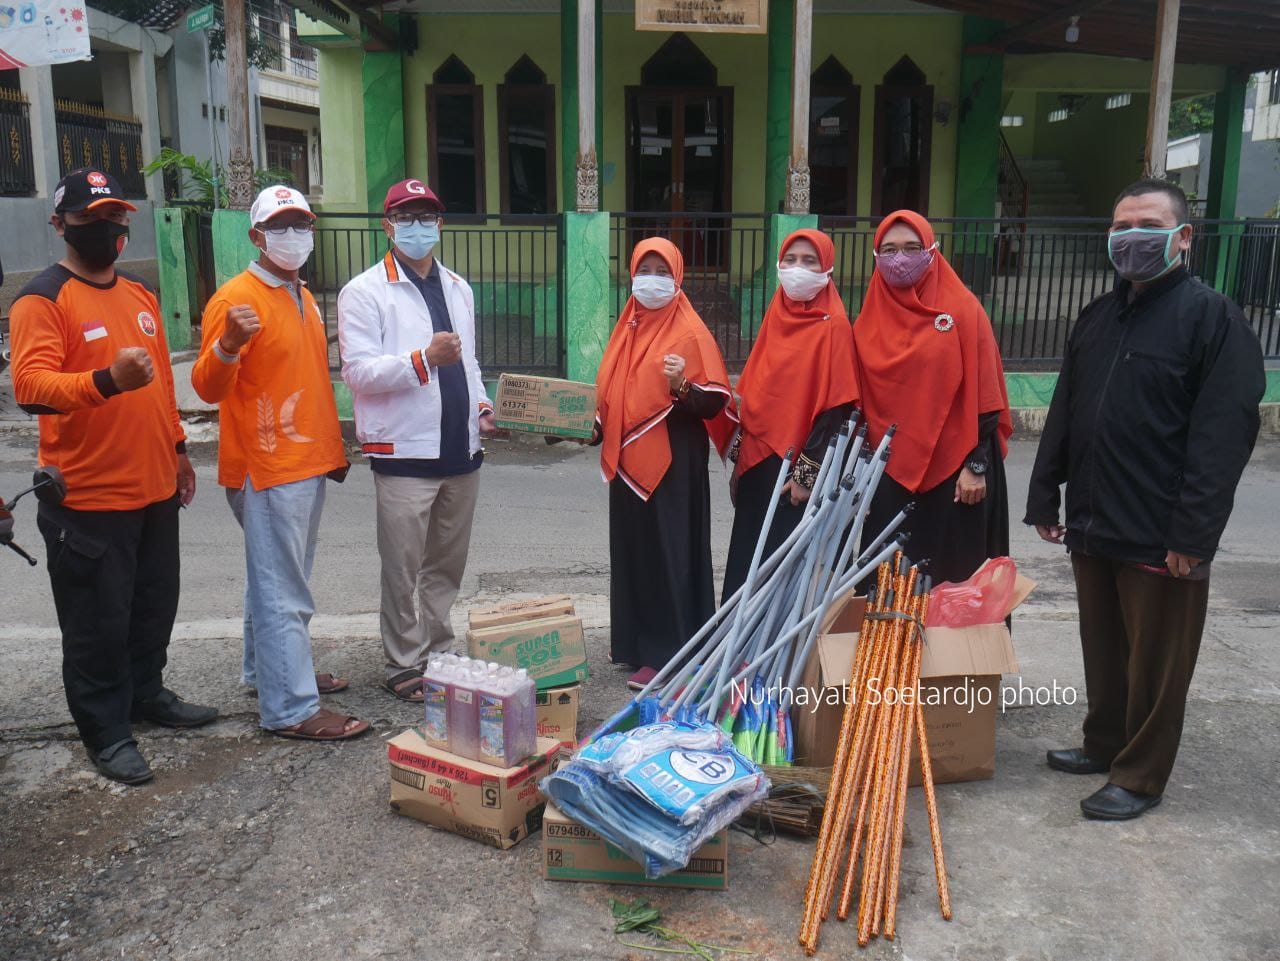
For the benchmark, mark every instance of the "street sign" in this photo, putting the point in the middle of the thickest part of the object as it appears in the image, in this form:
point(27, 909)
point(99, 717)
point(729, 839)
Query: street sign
point(201, 19)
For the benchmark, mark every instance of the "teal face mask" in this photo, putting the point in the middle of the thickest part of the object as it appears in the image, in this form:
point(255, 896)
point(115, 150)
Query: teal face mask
point(1143, 254)
point(417, 240)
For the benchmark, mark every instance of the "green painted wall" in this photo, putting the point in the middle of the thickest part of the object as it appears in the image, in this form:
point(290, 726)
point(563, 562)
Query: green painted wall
point(232, 249)
point(176, 261)
point(489, 46)
point(589, 315)
point(1021, 103)
point(777, 152)
point(342, 123)
point(1114, 160)
point(1036, 390)
point(382, 84)
point(1224, 162)
point(1086, 73)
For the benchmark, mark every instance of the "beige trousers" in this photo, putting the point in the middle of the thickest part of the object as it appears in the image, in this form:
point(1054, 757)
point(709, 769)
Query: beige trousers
point(424, 530)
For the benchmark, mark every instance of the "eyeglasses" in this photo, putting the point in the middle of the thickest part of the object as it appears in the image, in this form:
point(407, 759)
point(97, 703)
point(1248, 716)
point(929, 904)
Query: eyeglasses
point(888, 250)
point(405, 219)
point(306, 227)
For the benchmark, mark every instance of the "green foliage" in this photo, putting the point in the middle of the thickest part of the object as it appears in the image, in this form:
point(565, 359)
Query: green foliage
point(641, 917)
point(1191, 116)
point(196, 178)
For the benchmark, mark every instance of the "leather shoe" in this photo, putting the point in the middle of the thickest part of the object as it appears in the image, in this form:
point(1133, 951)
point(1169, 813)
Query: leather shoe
point(1113, 803)
point(121, 762)
point(169, 710)
point(1075, 761)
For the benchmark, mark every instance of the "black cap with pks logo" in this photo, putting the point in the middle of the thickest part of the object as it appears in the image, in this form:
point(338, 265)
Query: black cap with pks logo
point(86, 189)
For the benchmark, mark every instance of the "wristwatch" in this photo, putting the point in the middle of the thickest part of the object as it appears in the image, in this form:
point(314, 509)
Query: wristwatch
point(977, 467)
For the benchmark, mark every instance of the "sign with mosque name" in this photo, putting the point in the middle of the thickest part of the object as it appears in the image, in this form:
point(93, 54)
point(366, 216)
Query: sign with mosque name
point(703, 16)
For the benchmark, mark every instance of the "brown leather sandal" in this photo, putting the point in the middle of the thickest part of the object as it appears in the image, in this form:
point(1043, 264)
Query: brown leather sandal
point(407, 685)
point(331, 683)
point(324, 725)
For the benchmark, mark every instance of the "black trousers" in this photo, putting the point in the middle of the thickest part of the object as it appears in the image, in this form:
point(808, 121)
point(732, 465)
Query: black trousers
point(1140, 633)
point(115, 586)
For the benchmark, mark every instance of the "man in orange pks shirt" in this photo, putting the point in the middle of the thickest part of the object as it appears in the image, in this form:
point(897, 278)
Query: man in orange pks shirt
point(265, 362)
point(90, 357)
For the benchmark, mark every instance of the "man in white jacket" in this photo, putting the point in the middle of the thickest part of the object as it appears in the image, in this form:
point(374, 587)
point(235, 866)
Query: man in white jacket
point(408, 335)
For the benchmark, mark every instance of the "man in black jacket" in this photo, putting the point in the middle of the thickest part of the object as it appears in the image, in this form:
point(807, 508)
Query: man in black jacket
point(1151, 425)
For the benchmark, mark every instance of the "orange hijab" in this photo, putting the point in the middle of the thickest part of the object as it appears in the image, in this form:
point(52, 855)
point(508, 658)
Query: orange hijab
point(633, 397)
point(927, 360)
point(800, 366)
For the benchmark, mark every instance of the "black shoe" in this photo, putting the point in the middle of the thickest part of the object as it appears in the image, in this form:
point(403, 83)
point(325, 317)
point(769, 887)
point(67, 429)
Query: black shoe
point(121, 762)
point(1114, 803)
point(169, 710)
point(1074, 761)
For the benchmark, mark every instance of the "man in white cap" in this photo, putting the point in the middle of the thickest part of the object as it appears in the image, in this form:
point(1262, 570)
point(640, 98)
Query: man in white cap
point(265, 362)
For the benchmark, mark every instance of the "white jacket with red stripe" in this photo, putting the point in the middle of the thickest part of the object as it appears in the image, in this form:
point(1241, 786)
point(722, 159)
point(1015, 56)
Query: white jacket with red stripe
point(384, 328)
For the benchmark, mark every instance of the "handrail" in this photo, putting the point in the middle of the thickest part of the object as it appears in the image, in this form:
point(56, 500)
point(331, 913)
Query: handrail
point(1021, 192)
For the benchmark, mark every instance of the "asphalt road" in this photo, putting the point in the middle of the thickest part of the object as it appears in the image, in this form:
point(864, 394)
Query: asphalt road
point(247, 847)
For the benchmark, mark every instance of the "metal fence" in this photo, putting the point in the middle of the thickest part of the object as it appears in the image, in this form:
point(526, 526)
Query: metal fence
point(1034, 276)
point(724, 277)
point(89, 136)
point(17, 169)
point(513, 264)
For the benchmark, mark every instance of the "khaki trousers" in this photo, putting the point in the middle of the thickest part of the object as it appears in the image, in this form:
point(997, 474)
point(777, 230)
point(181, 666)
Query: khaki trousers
point(1140, 633)
point(424, 531)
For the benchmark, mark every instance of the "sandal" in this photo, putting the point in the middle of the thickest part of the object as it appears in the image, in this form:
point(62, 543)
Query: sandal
point(407, 685)
point(324, 725)
point(331, 683)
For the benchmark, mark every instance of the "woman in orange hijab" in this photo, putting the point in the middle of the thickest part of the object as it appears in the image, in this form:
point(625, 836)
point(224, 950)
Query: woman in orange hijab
point(662, 391)
point(797, 389)
point(926, 359)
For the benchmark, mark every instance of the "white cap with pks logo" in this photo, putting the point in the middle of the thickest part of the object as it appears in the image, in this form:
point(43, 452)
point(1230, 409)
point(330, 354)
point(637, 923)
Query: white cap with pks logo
point(275, 200)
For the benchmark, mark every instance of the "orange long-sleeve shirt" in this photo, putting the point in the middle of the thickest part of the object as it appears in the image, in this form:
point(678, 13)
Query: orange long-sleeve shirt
point(117, 451)
point(278, 421)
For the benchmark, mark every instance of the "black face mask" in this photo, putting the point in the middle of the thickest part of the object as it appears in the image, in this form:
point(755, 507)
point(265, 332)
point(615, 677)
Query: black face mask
point(98, 243)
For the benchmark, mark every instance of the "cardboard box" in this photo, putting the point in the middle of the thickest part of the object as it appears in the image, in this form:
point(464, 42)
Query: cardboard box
point(552, 649)
point(545, 405)
point(571, 852)
point(959, 692)
point(513, 612)
point(498, 806)
point(557, 714)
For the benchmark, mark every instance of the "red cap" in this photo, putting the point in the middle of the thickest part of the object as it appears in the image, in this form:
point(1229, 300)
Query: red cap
point(408, 191)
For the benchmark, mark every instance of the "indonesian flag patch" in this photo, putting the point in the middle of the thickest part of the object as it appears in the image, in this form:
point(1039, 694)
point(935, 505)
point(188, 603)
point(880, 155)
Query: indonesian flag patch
point(93, 330)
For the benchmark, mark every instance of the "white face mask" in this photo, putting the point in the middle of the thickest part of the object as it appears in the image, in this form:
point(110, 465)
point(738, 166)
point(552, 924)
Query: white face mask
point(802, 284)
point(653, 290)
point(289, 250)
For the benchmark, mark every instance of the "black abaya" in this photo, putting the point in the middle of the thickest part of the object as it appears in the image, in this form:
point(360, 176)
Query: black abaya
point(661, 587)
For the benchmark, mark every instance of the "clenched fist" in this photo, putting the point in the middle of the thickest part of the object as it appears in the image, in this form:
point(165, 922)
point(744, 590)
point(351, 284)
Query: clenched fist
point(242, 324)
point(132, 368)
point(444, 349)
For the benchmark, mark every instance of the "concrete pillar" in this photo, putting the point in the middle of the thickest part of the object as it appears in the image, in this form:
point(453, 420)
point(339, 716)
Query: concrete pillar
point(382, 83)
point(1224, 155)
point(37, 86)
point(588, 300)
point(777, 124)
point(146, 107)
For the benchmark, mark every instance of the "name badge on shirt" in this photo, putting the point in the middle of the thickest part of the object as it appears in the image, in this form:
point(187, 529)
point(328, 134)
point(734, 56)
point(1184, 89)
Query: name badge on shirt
point(93, 330)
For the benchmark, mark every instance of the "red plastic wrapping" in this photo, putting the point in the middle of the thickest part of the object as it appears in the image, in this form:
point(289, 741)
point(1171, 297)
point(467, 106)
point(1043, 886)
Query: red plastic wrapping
point(982, 599)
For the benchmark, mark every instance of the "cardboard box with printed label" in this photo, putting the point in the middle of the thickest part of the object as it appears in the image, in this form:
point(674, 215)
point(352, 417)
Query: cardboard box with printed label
point(552, 649)
point(513, 612)
point(571, 852)
point(959, 691)
point(498, 806)
point(557, 714)
point(545, 405)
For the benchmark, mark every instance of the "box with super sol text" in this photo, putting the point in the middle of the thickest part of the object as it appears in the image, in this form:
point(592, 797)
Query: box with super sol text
point(545, 405)
point(552, 649)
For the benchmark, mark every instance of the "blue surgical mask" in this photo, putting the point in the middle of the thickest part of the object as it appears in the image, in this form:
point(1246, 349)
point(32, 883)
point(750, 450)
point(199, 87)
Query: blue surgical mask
point(1144, 254)
point(417, 240)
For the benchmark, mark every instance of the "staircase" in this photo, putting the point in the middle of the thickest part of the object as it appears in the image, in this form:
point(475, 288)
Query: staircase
point(1052, 191)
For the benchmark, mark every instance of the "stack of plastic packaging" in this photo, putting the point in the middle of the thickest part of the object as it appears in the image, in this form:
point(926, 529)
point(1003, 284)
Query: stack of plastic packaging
point(659, 791)
point(479, 710)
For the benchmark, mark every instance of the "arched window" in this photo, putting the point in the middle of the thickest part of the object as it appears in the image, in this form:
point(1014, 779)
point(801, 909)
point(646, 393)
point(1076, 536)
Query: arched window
point(455, 138)
point(833, 141)
point(526, 140)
